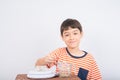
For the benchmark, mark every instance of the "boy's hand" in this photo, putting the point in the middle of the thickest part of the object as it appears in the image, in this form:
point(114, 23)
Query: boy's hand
point(49, 60)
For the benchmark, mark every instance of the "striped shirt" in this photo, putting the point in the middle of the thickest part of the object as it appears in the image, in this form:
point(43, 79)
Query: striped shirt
point(84, 66)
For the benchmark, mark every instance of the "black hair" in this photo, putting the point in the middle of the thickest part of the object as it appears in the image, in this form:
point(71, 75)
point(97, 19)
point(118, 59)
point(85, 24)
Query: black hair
point(70, 23)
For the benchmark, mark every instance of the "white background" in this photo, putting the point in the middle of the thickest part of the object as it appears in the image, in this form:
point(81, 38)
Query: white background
point(29, 29)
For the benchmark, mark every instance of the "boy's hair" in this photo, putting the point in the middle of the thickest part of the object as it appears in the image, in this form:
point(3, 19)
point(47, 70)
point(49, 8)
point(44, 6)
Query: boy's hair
point(70, 23)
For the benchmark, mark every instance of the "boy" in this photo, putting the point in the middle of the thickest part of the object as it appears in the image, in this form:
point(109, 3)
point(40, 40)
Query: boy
point(71, 33)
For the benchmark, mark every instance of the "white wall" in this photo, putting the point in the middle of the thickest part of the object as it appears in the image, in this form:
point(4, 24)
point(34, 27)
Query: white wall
point(29, 29)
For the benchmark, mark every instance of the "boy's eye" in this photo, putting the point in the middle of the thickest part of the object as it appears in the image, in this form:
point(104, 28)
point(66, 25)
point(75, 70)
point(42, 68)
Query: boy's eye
point(66, 35)
point(75, 33)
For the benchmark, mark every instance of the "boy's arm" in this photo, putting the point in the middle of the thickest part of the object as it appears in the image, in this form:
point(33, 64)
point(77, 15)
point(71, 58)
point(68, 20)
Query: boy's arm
point(40, 62)
point(95, 72)
point(47, 60)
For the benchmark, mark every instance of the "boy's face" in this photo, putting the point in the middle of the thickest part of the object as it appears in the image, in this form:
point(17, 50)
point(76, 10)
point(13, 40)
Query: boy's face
point(72, 37)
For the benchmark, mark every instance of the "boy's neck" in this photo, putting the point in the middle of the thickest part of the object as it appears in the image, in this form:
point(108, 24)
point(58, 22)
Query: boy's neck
point(74, 51)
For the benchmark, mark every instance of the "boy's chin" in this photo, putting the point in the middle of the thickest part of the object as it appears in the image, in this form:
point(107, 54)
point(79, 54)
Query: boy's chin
point(72, 47)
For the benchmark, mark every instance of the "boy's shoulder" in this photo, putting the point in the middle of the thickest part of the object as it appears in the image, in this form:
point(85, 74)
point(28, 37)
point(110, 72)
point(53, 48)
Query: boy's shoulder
point(89, 55)
point(61, 48)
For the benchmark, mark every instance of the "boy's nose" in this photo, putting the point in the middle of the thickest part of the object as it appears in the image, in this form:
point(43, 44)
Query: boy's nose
point(71, 37)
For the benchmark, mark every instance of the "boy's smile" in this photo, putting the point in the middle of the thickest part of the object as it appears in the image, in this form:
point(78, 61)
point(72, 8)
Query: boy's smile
point(72, 37)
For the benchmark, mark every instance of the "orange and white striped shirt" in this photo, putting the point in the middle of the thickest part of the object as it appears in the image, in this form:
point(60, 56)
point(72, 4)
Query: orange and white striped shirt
point(85, 65)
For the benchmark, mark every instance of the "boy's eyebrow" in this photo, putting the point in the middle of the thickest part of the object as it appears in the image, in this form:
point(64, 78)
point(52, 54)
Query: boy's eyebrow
point(76, 30)
point(65, 32)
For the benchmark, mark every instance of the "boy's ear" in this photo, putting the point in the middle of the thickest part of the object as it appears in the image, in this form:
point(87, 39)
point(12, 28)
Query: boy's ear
point(62, 37)
point(81, 34)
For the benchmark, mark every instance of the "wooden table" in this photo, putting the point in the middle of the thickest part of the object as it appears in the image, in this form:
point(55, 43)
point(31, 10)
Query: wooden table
point(24, 77)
